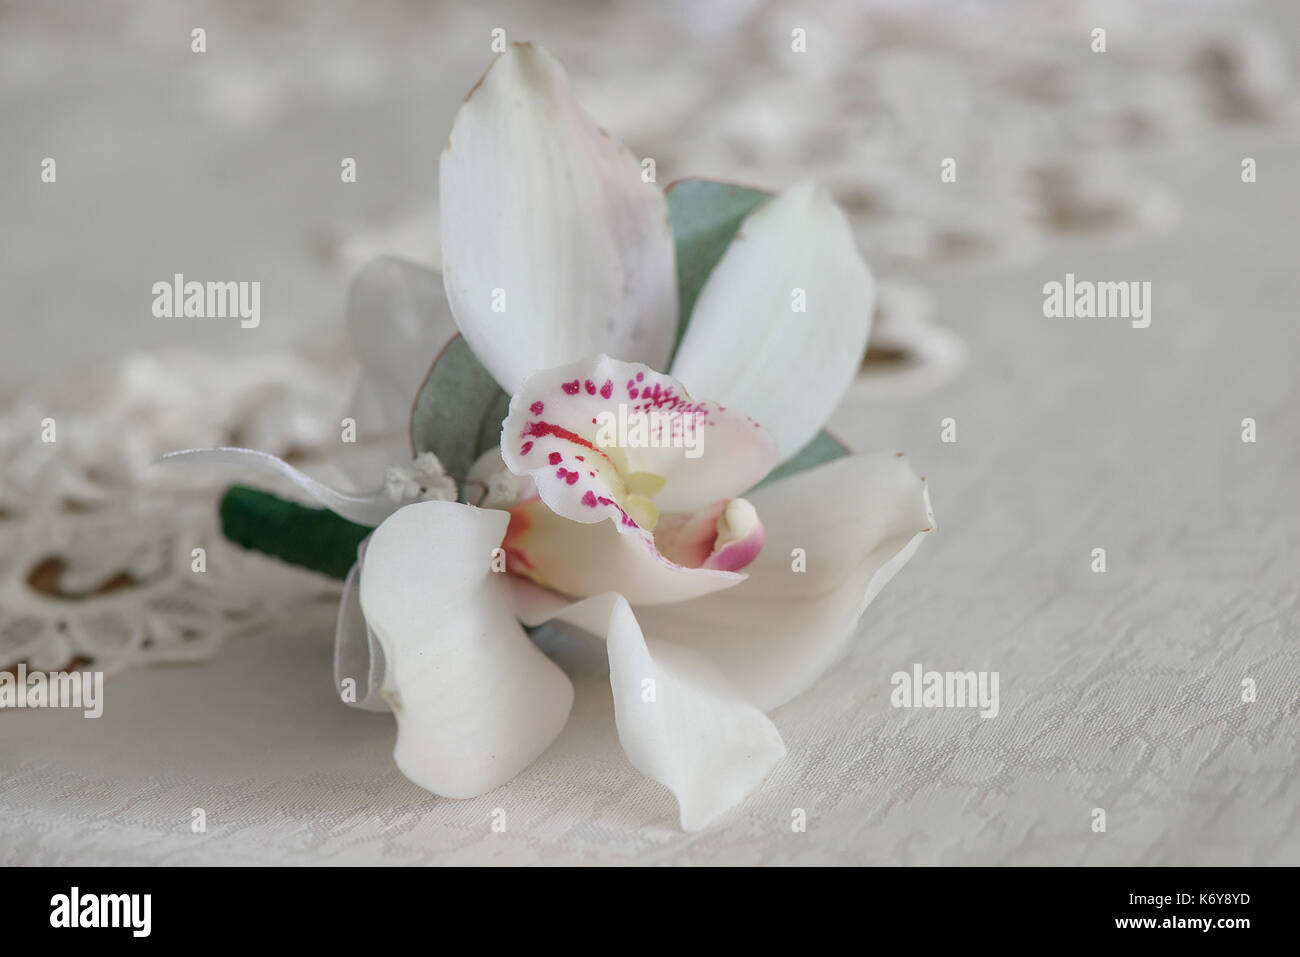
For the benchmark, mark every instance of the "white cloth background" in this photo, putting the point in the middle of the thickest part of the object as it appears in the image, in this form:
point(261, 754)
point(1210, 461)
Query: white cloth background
point(1119, 691)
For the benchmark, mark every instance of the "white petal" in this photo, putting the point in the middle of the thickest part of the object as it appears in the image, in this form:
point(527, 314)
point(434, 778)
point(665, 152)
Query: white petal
point(682, 723)
point(748, 347)
point(857, 520)
point(590, 559)
point(586, 559)
point(475, 701)
point(368, 508)
point(540, 203)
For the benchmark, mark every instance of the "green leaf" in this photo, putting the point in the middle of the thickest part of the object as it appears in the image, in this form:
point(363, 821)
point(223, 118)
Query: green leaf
point(821, 448)
point(312, 538)
point(705, 216)
point(458, 411)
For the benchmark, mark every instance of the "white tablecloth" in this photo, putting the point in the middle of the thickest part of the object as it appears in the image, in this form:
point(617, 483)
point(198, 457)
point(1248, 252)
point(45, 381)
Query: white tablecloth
point(1120, 691)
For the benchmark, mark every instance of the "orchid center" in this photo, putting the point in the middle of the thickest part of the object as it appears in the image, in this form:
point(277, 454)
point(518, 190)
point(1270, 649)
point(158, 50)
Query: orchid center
point(616, 443)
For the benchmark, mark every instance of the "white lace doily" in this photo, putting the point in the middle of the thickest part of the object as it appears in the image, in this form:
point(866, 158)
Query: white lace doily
point(97, 544)
point(1042, 128)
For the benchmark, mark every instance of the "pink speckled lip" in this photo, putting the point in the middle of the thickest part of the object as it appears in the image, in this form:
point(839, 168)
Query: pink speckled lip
point(555, 435)
point(665, 501)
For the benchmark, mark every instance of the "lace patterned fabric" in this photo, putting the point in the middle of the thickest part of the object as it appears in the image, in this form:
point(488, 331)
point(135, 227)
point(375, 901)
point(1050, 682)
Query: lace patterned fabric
point(97, 541)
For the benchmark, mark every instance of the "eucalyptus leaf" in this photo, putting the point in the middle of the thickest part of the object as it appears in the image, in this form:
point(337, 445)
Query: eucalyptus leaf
point(458, 411)
point(705, 216)
point(821, 448)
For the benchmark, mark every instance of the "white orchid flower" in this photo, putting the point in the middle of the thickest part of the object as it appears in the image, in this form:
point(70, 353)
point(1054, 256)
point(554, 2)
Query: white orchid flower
point(718, 601)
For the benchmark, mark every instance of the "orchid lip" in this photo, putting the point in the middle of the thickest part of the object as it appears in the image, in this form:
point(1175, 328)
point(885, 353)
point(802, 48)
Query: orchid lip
point(602, 439)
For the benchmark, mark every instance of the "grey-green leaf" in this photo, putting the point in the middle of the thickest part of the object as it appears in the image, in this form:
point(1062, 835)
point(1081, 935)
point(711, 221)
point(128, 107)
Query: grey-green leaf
point(458, 411)
point(821, 448)
point(705, 216)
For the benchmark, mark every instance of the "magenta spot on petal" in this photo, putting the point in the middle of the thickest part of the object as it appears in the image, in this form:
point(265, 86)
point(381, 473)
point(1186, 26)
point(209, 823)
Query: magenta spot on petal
point(536, 408)
point(571, 388)
point(580, 458)
point(589, 499)
point(555, 458)
point(527, 447)
point(570, 477)
point(640, 377)
point(607, 389)
point(627, 519)
point(547, 428)
point(631, 393)
point(590, 387)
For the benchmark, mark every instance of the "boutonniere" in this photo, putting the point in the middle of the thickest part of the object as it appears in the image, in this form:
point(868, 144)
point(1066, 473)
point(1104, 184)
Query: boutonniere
point(621, 429)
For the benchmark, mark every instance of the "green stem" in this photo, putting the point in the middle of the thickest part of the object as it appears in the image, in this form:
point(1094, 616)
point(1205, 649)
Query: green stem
point(312, 538)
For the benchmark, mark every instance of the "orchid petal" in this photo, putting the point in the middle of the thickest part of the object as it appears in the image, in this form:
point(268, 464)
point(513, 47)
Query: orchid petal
point(680, 721)
point(684, 725)
point(587, 559)
point(748, 343)
point(579, 559)
point(475, 700)
point(540, 206)
point(857, 521)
